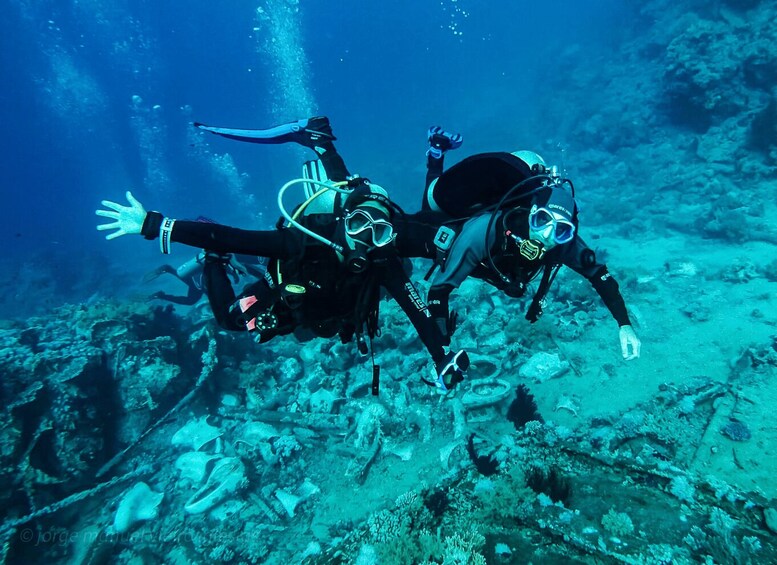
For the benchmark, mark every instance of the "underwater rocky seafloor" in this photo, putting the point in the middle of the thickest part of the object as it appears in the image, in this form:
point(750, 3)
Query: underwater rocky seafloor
point(134, 434)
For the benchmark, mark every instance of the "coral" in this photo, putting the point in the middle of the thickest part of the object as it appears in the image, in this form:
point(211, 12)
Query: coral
point(485, 464)
point(703, 74)
point(617, 523)
point(523, 409)
point(549, 482)
point(682, 488)
point(285, 446)
point(464, 549)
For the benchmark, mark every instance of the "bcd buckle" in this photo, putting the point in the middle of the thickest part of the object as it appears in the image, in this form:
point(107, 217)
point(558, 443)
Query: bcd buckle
point(444, 237)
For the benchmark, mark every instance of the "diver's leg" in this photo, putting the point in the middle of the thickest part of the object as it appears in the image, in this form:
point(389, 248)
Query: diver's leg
point(440, 141)
point(193, 295)
point(332, 161)
point(162, 269)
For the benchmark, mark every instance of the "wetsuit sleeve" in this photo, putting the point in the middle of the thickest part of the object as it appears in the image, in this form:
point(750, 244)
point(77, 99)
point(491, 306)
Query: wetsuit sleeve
point(608, 289)
point(438, 298)
point(582, 260)
point(401, 289)
point(278, 244)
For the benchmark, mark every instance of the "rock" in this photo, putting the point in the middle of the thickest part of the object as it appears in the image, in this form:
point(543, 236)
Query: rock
point(140, 503)
point(196, 434)
point(226, 478)
point(193, 465)
point(736, 430)
point(543, 366)
point(770, 517)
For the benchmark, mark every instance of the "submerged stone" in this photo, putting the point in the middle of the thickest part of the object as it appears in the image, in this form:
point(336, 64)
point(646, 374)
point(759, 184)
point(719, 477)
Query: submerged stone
point(736, 430)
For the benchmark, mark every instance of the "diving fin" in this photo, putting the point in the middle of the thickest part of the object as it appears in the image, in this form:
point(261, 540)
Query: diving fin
point(310, 132)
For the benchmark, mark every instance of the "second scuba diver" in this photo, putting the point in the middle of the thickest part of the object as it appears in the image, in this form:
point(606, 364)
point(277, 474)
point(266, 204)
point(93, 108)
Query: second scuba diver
point(507, 219)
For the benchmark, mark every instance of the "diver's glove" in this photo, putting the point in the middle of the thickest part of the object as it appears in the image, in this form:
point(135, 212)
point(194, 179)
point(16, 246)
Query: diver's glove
point(128, 219)
point(629, 339)
point(450, 371)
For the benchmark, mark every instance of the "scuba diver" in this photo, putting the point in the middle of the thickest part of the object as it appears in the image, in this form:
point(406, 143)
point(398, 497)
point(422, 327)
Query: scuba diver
point(505, 218)
point(327, 262)
point(190, 274)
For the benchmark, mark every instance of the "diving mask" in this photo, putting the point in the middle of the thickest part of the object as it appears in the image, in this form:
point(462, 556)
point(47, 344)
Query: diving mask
point(547, 223)
point(360, 220)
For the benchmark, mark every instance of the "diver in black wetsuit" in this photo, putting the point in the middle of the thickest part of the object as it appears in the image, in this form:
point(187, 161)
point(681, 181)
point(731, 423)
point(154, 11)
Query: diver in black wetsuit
point(190, 274)
point(325, 270)
point(530, 215)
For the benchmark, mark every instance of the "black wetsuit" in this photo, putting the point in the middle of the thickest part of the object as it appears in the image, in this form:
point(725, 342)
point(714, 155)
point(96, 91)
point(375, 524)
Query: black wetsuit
point(332, 292)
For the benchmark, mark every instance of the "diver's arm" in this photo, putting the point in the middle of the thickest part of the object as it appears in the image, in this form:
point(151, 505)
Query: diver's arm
point(466, 253)
point(582, 260)
point(220, 238)
point(401, 289)
point(438, 299)
point(607, 287)
point(134, 219)
point(449, 367)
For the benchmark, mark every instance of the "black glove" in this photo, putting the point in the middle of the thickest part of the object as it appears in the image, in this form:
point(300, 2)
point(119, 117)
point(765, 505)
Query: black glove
point(450, 371)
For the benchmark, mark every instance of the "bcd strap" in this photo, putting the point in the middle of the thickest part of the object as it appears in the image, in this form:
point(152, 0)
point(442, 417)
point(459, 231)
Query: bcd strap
point(375, 380)
point(535, 308)
point(443, 240)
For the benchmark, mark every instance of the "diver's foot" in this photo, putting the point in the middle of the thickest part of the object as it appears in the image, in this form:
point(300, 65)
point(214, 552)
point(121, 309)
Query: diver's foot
point(312, 132)
point(441, 141)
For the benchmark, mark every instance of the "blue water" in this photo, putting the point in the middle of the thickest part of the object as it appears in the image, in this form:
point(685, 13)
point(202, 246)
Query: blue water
point(383, 72)
point(663, 114)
